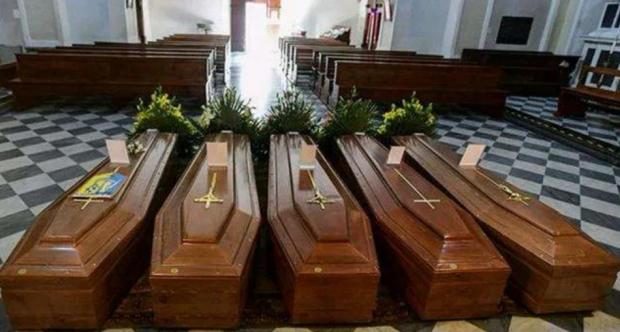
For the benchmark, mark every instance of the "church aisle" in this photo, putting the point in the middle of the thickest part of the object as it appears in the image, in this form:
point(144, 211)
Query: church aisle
point(46, 149)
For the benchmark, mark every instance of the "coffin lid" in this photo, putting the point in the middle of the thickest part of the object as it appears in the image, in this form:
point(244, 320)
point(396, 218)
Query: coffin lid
point(191, 239)
point(339, 234)
point(541, 230)
point(439, 231)
point(70, 239)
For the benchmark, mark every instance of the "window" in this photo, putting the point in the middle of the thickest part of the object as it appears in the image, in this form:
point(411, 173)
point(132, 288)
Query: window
point(587, 60)
point(514, 30)
point(610, 16)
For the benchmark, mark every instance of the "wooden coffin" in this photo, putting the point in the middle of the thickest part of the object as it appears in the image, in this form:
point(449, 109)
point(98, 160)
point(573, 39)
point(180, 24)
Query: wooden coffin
point(202, 248)
point(555, 267)
point(431, 250)
point(78, 260)
point(324, 254)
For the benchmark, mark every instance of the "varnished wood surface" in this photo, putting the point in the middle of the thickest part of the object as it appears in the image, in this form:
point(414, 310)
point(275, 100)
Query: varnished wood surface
point(555, 267)
point(122, 77)
point(389, 82)
point(327, 73)
point(222, 47)
point(75, 263)
point(201, 257)
point(325, 258)
point(318, 57)
point(286, 45)
point(450, 268)
point(527, 73)
point(574, 100)
point(8, 72)
point(209, 55)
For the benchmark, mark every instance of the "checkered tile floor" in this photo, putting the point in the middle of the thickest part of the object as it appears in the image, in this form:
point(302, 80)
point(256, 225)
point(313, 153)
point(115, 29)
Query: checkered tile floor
point(581, 187)
point(46, 149)
point(600, 124)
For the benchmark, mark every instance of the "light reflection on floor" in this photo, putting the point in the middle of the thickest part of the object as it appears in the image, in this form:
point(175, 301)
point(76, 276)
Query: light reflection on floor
point(257, 77)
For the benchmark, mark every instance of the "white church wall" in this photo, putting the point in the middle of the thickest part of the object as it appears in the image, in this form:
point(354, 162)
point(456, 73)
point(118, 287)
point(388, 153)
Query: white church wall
point(318, 16)
point(41, 20)
point(470, 28)
point(589, 20)
point(10, 29)
point(181, 16)
point(420, 25)
point(88, 20)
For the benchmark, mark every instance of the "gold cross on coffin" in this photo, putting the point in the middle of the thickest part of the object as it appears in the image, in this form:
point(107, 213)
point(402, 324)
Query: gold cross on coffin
point(210, 196)
point(318, 197)
point(512, 195)
point(423, 199)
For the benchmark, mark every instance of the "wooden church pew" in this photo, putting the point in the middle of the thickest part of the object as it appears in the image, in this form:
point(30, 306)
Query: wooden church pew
point(573, 101)
point(318, 60)
point(300, 61)
point(288, 46)
point(8, 72)
point(189, 47)
point(525, 72)
point(327, 76)
point(222, 46)
point(389, 82)
point(208, 56)
point(319, 55)
point(120, 77)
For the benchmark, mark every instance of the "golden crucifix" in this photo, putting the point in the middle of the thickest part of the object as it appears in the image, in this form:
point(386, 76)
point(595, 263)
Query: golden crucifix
point(423, 199)
point(512, 195)
point(210, 196)
point(318, 197)
point(87, 201)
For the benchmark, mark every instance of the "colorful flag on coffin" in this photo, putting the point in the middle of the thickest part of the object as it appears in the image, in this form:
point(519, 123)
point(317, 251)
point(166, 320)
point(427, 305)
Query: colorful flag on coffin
point(104, 185)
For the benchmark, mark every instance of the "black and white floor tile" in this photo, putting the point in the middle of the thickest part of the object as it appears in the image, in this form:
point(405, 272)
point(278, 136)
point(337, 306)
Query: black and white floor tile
point(601, 124)
point(44, 150)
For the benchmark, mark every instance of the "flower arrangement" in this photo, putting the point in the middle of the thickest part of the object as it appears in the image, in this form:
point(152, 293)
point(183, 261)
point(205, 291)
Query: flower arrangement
point(166, 115)
point(229, 112)
point(291, 112)
point(349, 116)
point(409, 118)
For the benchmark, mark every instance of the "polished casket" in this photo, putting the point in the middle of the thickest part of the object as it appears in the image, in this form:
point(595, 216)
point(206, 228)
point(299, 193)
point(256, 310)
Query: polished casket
point(324, 251)
point(82, 255)
point(555, 267)
point(431, 250)
point(205, 235)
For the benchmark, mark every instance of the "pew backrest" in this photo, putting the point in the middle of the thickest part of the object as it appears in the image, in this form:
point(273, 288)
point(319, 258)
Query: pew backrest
point(110, 68)
point(319, 57)
point(411, 75)
point(330, 62)
point(520, 59)
point(598, 77)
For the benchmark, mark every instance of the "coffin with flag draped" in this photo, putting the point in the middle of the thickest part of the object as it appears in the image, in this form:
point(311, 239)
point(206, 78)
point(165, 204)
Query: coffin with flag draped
point(86, 250)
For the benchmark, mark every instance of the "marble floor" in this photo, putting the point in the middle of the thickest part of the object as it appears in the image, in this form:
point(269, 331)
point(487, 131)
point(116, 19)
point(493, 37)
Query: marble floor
point(44, 150)
point(603, 125)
